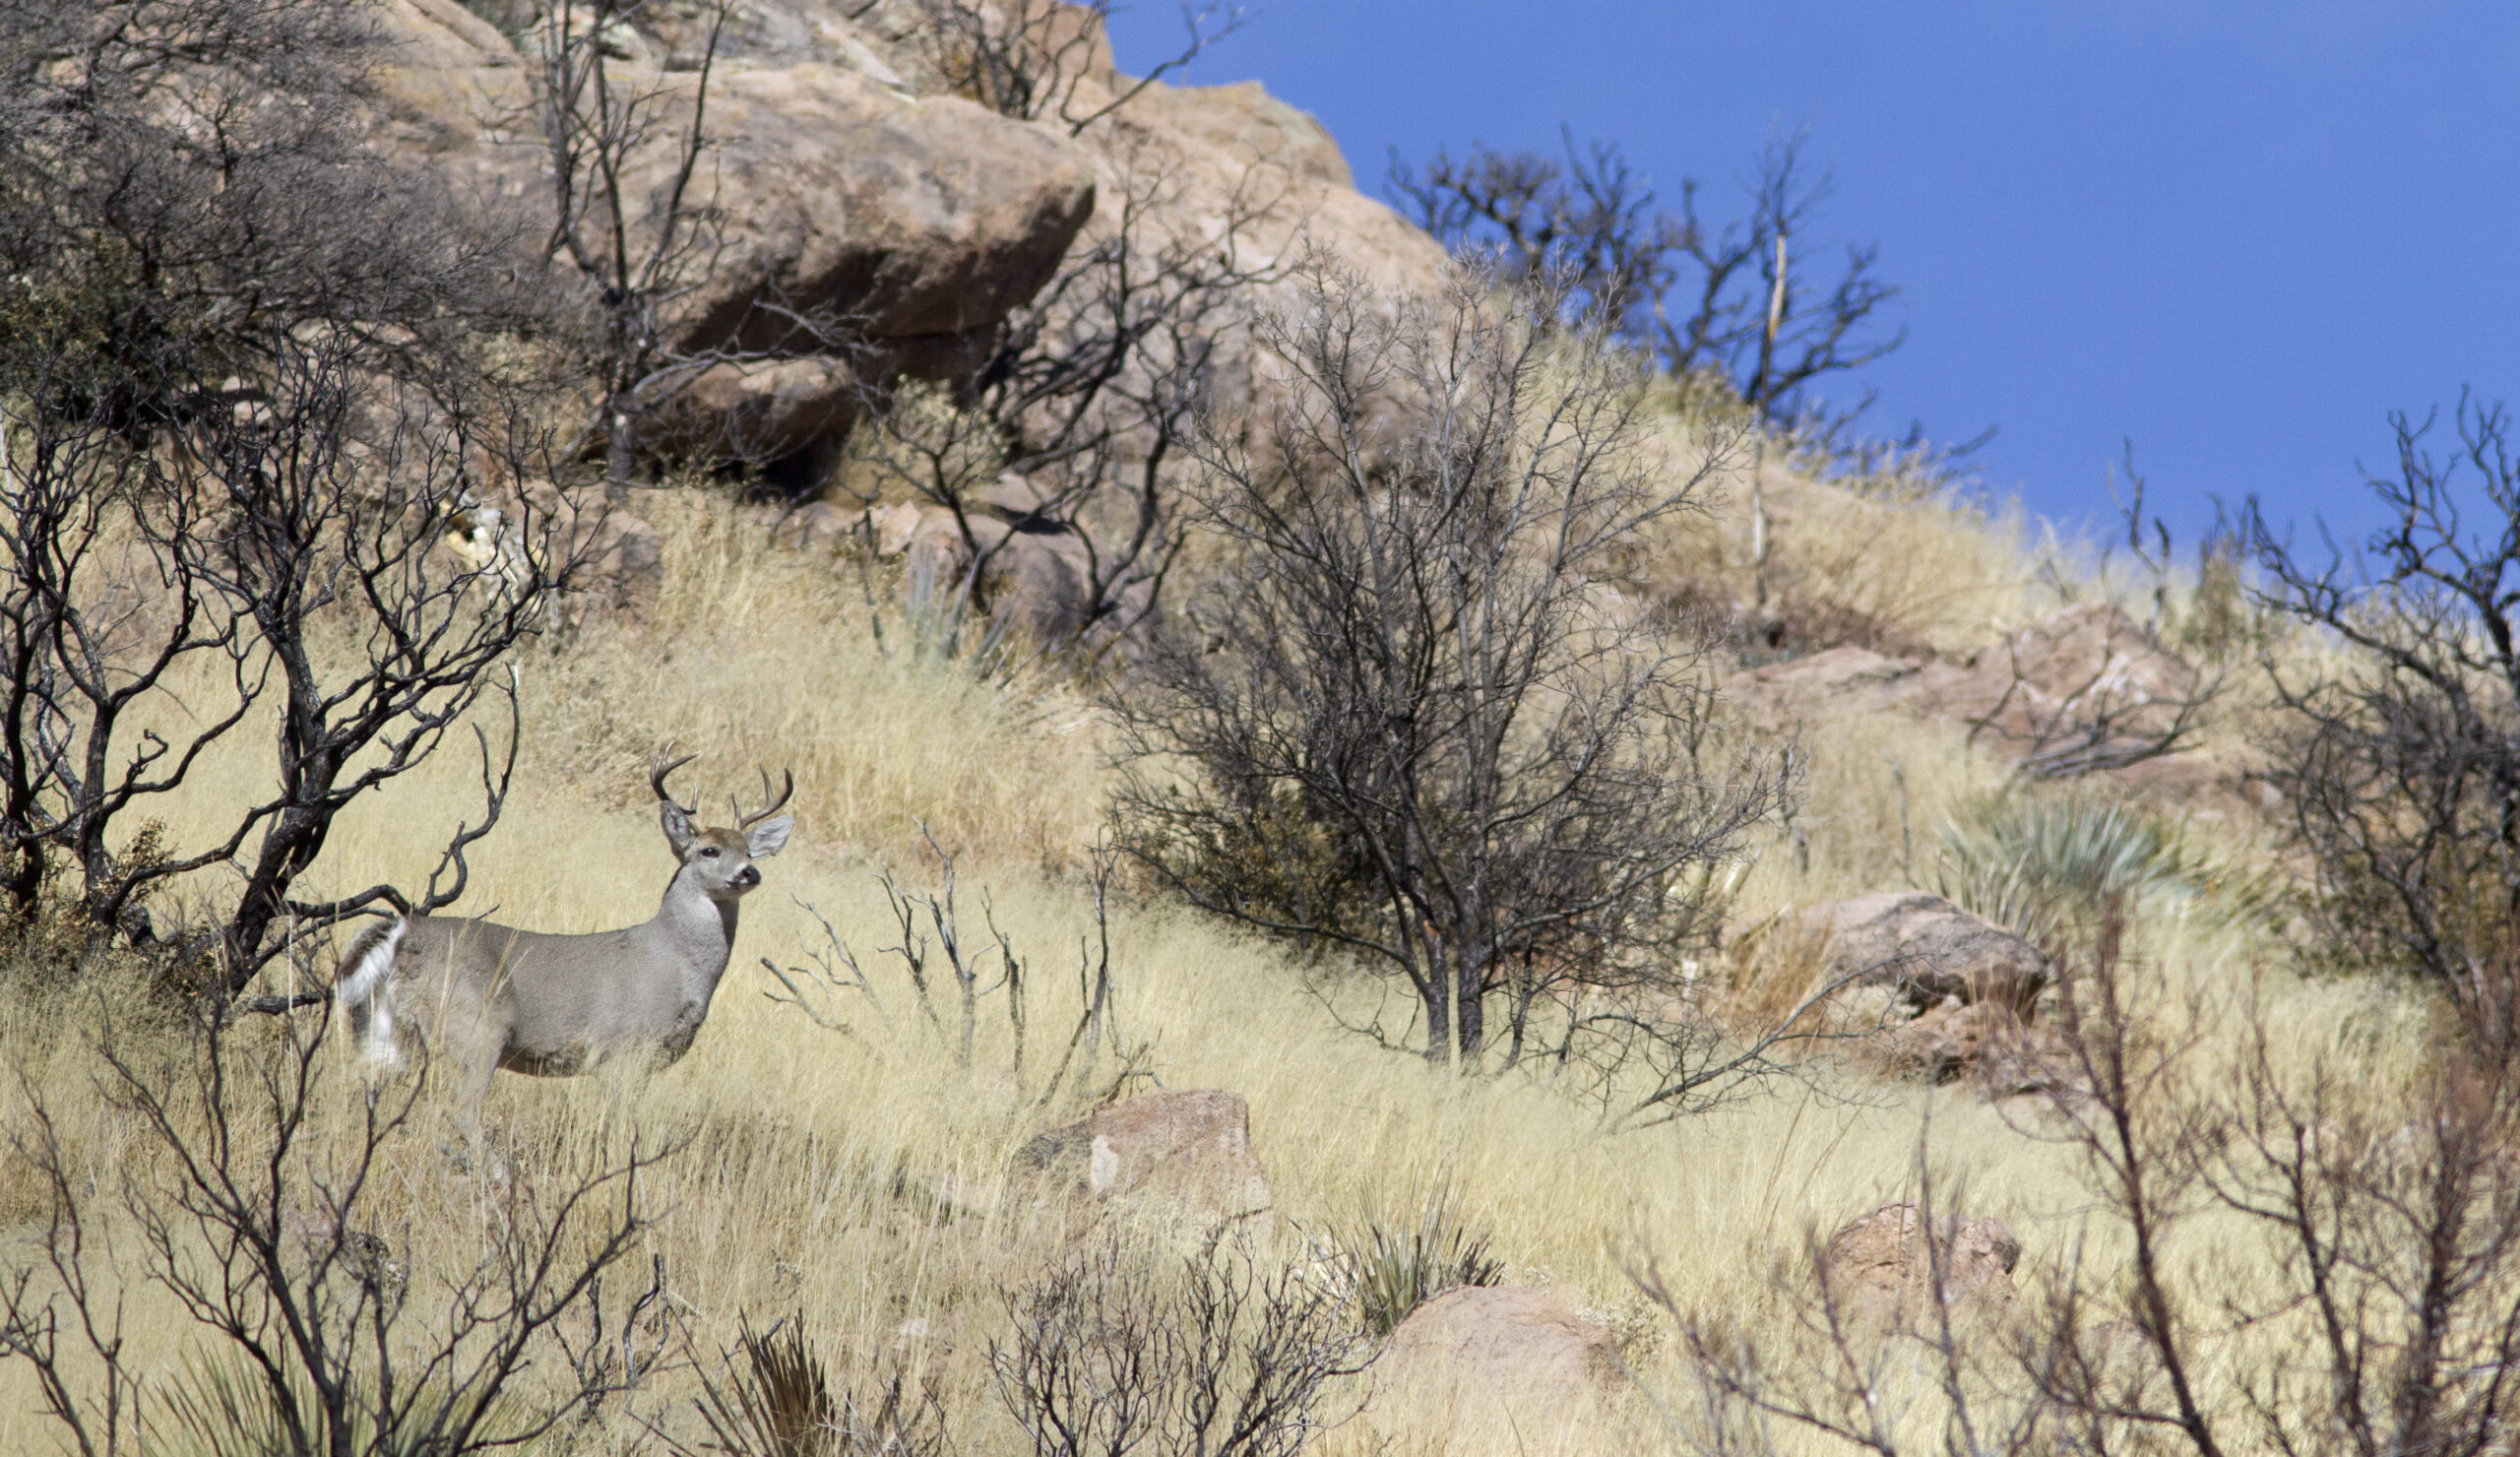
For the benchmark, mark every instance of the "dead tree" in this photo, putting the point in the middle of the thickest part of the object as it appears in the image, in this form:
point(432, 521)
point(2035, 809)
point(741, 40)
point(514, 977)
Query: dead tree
point(1420, 724)
point(637, 251)
point(97, 609)
point(2399, 766)
point(1695, 293)
point(305, 534)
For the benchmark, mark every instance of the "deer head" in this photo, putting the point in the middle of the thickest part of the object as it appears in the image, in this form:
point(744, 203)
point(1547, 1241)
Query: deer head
point(720, 862)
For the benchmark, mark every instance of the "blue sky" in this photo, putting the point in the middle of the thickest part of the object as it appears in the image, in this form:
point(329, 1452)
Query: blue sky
point(2237, 232)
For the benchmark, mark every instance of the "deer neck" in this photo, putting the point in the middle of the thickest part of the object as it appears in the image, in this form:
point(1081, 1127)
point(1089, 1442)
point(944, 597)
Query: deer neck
point(699, 931)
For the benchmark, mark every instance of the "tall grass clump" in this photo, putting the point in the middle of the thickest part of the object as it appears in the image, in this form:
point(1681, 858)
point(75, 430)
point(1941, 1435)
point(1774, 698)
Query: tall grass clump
point(774, 656)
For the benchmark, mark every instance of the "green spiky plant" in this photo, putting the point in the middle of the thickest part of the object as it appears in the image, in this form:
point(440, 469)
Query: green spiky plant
point(1395, 1270)
point(2047, 866)
point(777, 1399)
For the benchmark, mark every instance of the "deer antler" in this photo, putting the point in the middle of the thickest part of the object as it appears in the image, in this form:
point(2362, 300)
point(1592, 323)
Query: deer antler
point(656, 778)
point(746, 821)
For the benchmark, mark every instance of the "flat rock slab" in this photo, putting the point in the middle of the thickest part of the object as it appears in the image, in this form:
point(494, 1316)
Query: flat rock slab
point(2031, 691)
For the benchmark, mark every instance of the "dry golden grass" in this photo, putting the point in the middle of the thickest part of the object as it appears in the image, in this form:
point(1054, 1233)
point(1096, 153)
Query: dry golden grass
point(788, 1198)
point(1932, 571)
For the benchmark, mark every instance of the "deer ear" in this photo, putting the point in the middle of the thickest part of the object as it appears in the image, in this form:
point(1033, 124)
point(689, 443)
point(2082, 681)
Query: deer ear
point(768, 838)
point(677, 826)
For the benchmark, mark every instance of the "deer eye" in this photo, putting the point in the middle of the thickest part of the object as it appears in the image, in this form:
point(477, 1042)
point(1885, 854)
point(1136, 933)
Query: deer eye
point(709, 852)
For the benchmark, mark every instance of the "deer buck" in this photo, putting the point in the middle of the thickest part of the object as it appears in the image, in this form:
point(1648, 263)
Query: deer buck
point(483, 997)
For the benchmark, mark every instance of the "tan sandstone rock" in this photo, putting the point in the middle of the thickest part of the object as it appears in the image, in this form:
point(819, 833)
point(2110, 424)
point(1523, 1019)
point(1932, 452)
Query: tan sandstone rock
point(1499, 1361)
point(1928, 950)
point(1180, 1157)
point(1882, 1264)
point(919, 221)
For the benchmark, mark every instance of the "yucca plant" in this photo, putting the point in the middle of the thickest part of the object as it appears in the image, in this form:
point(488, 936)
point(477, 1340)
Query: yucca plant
point(2047, 866)
point(777, 1401)
point(223, 1406)
point(1395, 1270)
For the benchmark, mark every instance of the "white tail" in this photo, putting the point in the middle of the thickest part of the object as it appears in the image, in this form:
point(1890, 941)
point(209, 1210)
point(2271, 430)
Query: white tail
point(364, 967)
point(482, 996)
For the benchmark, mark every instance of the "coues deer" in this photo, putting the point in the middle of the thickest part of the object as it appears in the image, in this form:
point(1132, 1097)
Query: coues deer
point(483, 997)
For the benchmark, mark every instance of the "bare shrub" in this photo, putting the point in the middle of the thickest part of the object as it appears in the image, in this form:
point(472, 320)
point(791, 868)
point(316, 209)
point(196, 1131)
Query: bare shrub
point(2379, 1230)
point(1415, 672)
point(1701, 297)
point(254, 1205)
point(2399, 765)
point(1115, 1353)
point(1073, 427)
point(181, 181)
point(948, 976)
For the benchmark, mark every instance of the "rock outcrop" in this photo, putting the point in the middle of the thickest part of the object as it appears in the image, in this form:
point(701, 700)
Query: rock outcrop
point(840, 191)
point(2086, 681)
point(834, 193)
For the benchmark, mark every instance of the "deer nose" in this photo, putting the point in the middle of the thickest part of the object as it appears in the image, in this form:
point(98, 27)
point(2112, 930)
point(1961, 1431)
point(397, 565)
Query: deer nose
point(747, 876)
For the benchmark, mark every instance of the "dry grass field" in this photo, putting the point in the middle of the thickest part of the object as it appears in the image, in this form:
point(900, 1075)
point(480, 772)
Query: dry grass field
point(799, 1154)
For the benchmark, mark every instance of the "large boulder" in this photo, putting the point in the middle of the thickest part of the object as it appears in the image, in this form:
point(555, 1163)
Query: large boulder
point(1928, 950)
point(1495, 1360)
point(1178, 1159)
point(913, 218)
point(922, 219)
point(1883, 1265)
point(834, 193)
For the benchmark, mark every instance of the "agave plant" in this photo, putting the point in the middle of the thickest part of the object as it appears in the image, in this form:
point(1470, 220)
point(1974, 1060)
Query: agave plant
point(2047, 866)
